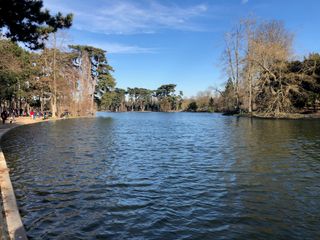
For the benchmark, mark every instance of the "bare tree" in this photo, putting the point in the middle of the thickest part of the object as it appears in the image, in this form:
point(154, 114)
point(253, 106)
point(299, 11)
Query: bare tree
point(270, 50)
point(233, 58)
point(255, 59)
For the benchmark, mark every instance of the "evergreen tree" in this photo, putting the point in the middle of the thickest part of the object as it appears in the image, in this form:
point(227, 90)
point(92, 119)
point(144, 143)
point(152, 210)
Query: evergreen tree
point(25, 21)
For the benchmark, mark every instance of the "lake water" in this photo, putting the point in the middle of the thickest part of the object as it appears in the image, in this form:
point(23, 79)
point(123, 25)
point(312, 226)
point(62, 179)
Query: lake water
point(167, 176)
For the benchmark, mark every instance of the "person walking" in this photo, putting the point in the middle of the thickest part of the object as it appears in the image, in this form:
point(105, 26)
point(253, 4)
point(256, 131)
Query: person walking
point(4, 116)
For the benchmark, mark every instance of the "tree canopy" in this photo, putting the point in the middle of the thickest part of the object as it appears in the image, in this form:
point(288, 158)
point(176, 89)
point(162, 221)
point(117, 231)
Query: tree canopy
point(26, 21)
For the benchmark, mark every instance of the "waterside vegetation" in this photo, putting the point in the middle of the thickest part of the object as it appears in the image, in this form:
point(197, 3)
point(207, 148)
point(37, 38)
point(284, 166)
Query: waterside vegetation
point(264, 76)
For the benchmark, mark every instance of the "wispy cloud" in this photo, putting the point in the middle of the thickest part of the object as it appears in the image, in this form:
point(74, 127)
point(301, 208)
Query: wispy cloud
point(130, 17)
point(122, 48)
point(244, 1)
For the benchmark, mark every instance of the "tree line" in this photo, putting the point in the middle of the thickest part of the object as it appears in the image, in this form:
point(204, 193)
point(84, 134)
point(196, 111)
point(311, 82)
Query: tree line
point(204, 101)
point(162, 99)
point(77, 80)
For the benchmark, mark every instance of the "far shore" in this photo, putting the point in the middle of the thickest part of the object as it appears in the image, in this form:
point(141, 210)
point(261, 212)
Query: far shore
point(292, 116)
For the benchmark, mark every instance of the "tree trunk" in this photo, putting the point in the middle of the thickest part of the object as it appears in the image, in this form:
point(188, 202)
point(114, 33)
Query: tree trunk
point(54, 96)
point(250, 96)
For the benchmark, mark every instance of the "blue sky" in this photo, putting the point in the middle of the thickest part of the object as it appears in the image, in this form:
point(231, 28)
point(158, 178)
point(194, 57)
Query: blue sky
point(154, 42)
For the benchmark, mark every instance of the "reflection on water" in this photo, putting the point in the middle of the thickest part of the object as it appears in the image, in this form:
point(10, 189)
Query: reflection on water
point(167, 176)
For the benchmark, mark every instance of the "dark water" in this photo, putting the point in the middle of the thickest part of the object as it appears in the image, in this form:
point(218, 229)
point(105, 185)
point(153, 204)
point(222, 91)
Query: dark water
point(167, 176)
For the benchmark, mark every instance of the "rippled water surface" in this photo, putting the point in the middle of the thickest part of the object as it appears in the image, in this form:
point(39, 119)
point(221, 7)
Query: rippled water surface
point(167, 176)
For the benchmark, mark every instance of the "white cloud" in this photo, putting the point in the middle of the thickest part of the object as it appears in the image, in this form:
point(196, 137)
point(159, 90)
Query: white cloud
point(244, 1)
point(122, 48)
point(129, 17)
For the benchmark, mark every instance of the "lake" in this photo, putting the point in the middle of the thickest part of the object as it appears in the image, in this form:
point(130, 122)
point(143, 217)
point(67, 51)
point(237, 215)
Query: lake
point(167, 176)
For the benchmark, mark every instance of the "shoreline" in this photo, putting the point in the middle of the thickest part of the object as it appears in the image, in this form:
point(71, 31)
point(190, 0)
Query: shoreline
point(12, 225)
point(283, 116)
